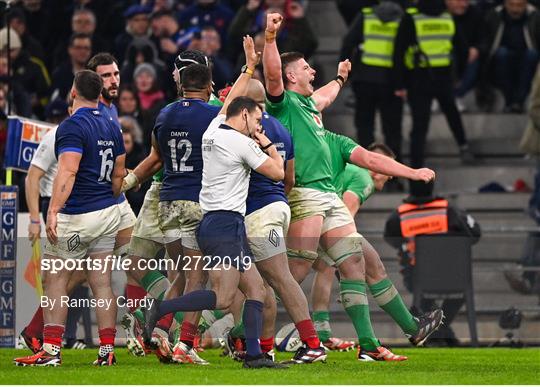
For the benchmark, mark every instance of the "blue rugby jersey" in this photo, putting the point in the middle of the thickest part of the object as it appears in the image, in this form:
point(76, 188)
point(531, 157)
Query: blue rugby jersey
point(262, 190)
point(96, 137)
point(178, 131)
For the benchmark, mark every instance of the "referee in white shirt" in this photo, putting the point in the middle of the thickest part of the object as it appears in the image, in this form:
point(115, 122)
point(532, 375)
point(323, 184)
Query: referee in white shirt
point(233, 144)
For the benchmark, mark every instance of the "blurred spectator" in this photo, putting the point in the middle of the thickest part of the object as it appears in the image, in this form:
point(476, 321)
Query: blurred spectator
point(134, 155)
point(128, 102)
point(17, 21)
point(371, 73)
point(31, 75)
point(210, 45)
point(151, 98)
point(130, 123)
point(207, 13)
point(526, 281)
point(349, 9)
point(79, 51)
point(40, 22)
point(137, 25)
point(422, 65)
point(422, 213)
point(166, 35)
point(56, 111)
point(468, 19)
point(511, 44)
point(19, 99)
point(295, 34)
point(83, 21)
point(141, 50)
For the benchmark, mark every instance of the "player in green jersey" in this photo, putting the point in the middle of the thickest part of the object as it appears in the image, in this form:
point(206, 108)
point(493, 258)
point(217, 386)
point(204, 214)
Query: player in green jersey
point(355, 185)
point(317, 213)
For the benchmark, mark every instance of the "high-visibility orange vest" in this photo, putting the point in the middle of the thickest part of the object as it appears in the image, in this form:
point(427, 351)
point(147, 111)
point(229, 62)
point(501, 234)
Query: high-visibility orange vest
point(421, 219)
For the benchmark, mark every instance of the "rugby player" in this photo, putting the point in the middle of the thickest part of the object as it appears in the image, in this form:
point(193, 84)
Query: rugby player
point(83, 216)
point(317, 213)
point(355, 185)
point(267, 221)
point(39, 182)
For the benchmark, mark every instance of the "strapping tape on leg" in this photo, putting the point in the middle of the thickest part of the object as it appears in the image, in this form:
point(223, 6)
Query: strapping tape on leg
point(302, 254)
point(346, 247)
point(351, 298)
point(385, 296)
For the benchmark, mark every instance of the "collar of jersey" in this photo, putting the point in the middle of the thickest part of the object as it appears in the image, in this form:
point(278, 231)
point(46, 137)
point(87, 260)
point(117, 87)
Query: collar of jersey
point(81, 109)
point(226, 127)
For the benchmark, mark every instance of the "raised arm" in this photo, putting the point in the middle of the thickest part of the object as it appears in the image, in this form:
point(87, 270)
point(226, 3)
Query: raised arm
point(387, 166)
point(240, 86)
point(271, 59)
point(325, 95)
point(68, 165)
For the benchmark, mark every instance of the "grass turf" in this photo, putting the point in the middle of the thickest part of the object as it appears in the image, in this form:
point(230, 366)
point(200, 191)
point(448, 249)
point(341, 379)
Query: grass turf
point(425, 366)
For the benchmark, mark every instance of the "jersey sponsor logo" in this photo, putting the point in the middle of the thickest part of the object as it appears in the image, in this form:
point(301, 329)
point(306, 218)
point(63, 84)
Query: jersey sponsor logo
point(273, 238)
point(73, 242)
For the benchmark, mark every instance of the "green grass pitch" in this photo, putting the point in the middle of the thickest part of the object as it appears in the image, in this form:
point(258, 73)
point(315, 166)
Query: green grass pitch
point(425, 366)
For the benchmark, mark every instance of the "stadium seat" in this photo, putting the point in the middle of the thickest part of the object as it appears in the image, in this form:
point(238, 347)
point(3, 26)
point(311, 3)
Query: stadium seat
point(444, 270)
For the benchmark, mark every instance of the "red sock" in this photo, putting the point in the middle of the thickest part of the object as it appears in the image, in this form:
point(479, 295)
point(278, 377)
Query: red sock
point(35, 327)
point(188, 331)
point(133, 293)
point(106, 336)
point(267, 344)
point(308, 334)
point(165, 322)
point(52, 334)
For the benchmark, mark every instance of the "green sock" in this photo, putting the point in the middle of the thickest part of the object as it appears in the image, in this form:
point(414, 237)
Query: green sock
point(238, 330)
point(355, 302)
point(388, 298)
point(139, 315)
point(156, 284)
point(179, 317)
point(321, 320)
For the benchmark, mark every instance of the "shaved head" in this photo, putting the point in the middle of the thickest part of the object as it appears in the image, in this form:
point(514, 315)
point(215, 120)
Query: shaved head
point(256, 92)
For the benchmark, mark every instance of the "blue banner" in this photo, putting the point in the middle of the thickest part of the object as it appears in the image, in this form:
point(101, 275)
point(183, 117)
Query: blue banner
point(8, 253)
point(23, 138)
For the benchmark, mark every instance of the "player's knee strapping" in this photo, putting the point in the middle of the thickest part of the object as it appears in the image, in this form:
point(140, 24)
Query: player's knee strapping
point(345, 248)
point(384, 293)
point(302, 254)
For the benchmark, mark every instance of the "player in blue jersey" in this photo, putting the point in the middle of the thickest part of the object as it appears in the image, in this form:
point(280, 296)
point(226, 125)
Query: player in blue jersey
point(267, 222)
point(178, 135)
point(83, 217)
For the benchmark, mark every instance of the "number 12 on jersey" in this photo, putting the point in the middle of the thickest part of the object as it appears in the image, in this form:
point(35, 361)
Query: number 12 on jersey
point(178, 145)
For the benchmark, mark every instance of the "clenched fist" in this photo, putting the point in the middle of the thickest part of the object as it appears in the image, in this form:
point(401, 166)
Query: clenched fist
point(344, 68)
point(273, 22)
